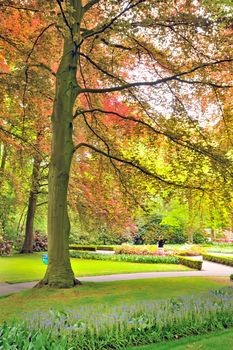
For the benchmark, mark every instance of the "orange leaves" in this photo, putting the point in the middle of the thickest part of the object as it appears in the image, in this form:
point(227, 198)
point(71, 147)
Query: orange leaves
point(4, 67)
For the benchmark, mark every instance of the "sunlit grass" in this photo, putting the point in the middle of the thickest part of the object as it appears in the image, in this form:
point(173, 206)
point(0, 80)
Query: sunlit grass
point(22, 268)
point(107, 293)
point(214, 341)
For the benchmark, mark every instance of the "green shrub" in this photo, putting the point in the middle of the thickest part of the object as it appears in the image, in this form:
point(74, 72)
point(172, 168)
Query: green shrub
point(225, 260)
point(194, 264)
point(84, 247)
point(221, 249)
point(199, 238)
point(150, 232)
point(150, 259)
point(136, 249)
point(18, 336)
point(231, 277)
point(189, 250)
point(105, 247)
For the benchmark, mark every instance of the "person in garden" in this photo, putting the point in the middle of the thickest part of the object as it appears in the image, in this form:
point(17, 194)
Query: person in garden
point(161, 243)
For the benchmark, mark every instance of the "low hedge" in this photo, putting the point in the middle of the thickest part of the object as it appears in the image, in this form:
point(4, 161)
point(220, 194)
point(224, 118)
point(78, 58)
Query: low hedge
point(194, 264)
point(226, 260)
point(91, 248)
point(106, 247)
point(150, 259)
point(82, 247)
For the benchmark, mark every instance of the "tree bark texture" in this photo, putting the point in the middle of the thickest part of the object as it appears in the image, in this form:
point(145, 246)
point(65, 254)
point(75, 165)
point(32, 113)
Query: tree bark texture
point(59, 273)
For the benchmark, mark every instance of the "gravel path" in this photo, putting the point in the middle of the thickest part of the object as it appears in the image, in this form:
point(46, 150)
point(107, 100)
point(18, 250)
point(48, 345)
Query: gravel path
point(208, 269)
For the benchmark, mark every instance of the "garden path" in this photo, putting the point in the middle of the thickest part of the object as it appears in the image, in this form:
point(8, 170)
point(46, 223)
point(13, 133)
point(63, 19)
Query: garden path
point(208, 269)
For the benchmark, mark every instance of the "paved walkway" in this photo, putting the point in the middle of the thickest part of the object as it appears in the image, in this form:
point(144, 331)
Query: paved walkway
point(208, 269)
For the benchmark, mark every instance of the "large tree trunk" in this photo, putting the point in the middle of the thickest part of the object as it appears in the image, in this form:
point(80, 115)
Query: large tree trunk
point(28, 240)
point(59, 273)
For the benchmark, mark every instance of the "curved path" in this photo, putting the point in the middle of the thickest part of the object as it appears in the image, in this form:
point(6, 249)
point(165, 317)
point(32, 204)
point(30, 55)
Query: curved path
point(208, 269)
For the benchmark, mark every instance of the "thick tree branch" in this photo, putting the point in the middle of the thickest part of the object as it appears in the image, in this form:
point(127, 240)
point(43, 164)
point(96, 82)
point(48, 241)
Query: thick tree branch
point(102, 28)
point(42, 203)
point(37, 39)
point(200, 82)
point(11, 43)
point(20, 7)
point(184, 143)
point(162, 80)
point(43, 66)
point(64, 17)
point(97, 66)
point(95, 133)
point(117, 46)
point(136, 166)
point(21, 139)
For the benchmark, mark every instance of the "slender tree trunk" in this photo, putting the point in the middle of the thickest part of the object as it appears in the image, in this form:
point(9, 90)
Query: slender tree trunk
point(28, 240)
point(3, 161)
point(212, 224)
point(59, 273)
point(3, 164)
point(2, 173)
point(190, 219)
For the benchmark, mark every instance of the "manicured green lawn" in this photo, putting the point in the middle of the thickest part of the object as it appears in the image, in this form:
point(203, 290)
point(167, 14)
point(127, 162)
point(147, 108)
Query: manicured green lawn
point(22, 268)
point(107, 293)
point(215, 341)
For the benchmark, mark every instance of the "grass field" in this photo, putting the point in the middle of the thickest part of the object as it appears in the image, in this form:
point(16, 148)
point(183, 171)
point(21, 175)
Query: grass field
point(215, 341)
point(108, 293)
point(22, 268)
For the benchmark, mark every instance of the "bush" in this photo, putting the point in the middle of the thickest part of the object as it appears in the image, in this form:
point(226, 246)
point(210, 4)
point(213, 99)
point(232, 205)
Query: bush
point(231, 277)
point(225, 250)
point(199, 238)
point(141, 250)
point(5, 248)
point(194, 264)
point(19, 336)
point(225, 260)
point(226, 241)
point(40, 243)
point(189, 250)
point(150, 232)
point(150, 259)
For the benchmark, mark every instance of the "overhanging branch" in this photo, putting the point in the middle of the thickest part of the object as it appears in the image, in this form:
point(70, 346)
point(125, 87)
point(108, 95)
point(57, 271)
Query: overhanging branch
point(102, 28)
point(183, 143)
point(43, 66)
point(162, 80)
point(136, 166)
point(20, 7)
